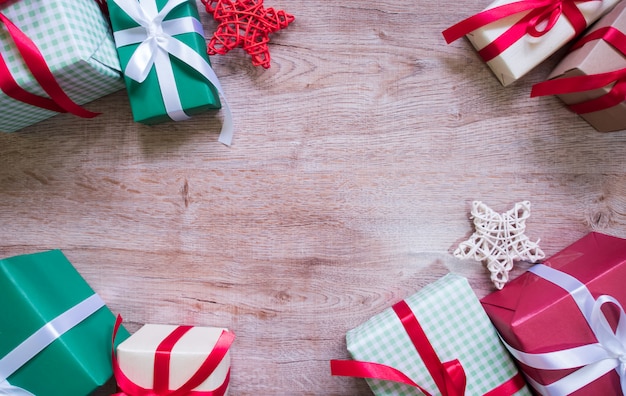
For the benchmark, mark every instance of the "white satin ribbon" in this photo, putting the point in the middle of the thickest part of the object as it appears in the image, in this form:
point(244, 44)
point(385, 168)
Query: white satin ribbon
point(594, 360)
point(156, 44)
point(43, 337)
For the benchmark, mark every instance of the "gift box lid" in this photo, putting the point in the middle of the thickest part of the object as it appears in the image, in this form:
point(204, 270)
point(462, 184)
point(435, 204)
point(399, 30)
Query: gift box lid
point(528, 304)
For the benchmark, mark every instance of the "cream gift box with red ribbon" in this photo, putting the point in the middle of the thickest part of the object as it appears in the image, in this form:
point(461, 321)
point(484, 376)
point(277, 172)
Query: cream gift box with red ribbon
point(513, 37)
point(160, 359)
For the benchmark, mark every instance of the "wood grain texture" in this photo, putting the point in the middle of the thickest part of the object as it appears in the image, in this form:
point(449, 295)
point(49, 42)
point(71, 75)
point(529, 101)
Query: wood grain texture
point(355, 161)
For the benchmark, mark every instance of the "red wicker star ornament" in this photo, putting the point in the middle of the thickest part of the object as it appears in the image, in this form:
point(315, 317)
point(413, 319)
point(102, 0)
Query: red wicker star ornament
point(245, 23)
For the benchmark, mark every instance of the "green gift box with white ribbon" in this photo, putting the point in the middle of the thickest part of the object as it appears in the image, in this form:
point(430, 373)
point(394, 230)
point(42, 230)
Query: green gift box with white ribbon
point(76, 43)
point(447, 318)
point(56, 332)
point(162, 50)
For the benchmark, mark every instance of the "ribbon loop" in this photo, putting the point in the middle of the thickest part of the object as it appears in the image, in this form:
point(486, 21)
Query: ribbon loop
point(547, 18)
point(156, 40)
point(539, 13)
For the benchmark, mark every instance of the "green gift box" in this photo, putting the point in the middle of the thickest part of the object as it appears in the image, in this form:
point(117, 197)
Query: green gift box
point(76, 42)
point(454, 325)
point(55, 332)
point(169, 85)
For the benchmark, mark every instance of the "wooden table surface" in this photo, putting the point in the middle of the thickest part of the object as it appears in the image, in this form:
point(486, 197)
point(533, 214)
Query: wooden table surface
point(355, 161)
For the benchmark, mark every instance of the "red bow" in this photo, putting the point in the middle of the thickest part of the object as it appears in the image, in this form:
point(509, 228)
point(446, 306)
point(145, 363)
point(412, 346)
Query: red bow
point(58, 100)
point(162, 368)
point(448, 376)
point(540, 12)
point(616, 95)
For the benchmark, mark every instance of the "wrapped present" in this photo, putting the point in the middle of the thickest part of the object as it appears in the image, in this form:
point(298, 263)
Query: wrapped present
point(563, 322)
point(437, 341)
point(513, 37)
point(162, 50)
point(163, 360)
point(54, 56)
point(56, 332)
point(591, 78)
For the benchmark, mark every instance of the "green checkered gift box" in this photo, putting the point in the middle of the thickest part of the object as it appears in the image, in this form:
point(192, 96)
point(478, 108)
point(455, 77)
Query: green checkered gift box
point(438, 341)
point(76, 44)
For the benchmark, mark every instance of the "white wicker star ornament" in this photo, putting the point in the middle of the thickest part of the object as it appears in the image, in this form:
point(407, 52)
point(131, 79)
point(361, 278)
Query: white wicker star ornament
point(499, 240)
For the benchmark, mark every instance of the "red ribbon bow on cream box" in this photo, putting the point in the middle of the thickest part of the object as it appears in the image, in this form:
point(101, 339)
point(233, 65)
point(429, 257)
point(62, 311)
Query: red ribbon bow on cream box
point(513, 37)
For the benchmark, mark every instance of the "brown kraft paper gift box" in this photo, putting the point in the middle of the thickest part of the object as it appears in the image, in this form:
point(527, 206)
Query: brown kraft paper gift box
point(596, 57)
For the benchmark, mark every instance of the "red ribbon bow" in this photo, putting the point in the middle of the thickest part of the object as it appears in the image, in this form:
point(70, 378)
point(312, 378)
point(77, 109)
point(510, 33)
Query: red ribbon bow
point(448, 376)
point(162, 368)
point(616, 95)
point(540, 12)
point(58, 100)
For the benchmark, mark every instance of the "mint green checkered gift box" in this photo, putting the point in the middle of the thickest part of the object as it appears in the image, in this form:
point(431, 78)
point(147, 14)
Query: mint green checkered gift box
point(457, 327)
point(76, 41)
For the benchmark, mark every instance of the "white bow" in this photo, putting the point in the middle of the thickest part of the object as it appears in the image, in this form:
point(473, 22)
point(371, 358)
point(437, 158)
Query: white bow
point(156, 44)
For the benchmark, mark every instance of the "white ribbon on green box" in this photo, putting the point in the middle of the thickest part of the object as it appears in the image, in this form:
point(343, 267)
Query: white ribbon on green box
point(39, 340)
point(156, 45)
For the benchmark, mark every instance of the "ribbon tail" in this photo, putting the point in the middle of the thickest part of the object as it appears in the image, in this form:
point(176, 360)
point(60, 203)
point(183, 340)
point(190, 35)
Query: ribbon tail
point(614, 97)
point(124, 384)
point(560, 86)
point(194, 60)
point(351, 368)
point(455, 378)
point(510, 387)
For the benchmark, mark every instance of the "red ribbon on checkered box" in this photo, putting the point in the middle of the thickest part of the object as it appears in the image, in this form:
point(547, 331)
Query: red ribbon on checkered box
point(58, 100)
